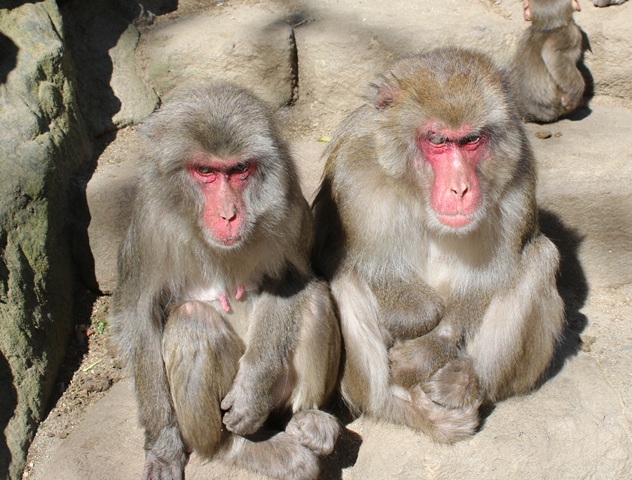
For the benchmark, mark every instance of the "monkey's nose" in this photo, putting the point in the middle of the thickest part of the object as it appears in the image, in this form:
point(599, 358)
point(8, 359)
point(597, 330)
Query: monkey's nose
point(229, 217)
point(460, 191)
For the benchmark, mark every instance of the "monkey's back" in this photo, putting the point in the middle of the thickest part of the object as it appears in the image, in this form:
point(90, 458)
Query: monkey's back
point(536, 91)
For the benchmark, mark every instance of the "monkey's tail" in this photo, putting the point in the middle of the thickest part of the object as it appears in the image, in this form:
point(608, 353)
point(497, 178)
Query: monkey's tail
point(413, 407)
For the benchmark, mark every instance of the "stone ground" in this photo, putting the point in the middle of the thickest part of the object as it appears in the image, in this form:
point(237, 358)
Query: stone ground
point(579, 424)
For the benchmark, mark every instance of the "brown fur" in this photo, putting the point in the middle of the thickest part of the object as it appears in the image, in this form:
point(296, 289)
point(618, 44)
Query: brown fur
point(205, 378)
point(547, 82)
point(486, 293)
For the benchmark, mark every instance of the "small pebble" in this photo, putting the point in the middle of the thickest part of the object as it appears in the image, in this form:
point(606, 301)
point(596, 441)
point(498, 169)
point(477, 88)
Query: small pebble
point(543, 134)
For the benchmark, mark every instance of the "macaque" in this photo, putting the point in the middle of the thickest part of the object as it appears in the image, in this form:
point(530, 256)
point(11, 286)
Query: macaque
point(546, 79)
point(606, 3)
point(232, 341)
point(427, 229)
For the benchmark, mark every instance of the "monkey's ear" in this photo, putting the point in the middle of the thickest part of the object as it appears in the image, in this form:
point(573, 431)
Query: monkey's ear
point(386, 92)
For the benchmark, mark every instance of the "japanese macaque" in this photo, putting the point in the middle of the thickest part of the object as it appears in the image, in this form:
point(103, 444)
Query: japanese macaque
point(427, 229)
point(606, 3)
point(232, 342)
point(547, 82)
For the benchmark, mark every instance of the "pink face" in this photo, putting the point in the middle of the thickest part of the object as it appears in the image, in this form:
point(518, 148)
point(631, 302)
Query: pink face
point(222, 182)
point(453, 155)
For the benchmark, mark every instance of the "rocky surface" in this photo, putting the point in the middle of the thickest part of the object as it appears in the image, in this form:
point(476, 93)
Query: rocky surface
point(42, 149)
point(578, 425)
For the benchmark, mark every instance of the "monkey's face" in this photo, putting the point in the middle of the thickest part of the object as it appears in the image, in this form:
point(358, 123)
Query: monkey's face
point(222, 183)
point(453, 155)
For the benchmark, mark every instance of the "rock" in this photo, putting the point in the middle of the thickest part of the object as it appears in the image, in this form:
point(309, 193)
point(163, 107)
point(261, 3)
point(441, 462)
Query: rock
point(344, 45)
point(111, 193)
point(571, 428)
point(254, 49)
point(42, 148)
point(589, 192)
point(102, 40)
point(109, 445)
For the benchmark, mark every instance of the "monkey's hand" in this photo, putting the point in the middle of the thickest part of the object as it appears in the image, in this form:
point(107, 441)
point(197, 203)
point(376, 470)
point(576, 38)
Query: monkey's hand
point(157, 468)
point(315, 429)
point(245, 409)
point(454, 385)
point(414, 361)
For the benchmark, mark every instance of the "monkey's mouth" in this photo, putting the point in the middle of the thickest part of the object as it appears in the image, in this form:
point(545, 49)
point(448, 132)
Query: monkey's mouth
point(230, 241)
point(457, 220)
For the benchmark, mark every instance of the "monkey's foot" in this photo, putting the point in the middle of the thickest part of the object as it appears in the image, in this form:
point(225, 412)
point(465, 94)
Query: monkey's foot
point(315, 429)
point(157, 468)
point(280, 456)
point(455, 385)
point(444, 425)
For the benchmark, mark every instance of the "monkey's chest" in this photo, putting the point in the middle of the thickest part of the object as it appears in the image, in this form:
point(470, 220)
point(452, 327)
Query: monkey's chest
point(449, 272)
point(234, 302)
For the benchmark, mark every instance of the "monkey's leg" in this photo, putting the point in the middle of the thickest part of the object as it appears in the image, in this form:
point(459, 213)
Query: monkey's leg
point(366, 384)
point(201, 354)
point(315, 366)
point(365, 377)
point(436, 363)
point(516, 340)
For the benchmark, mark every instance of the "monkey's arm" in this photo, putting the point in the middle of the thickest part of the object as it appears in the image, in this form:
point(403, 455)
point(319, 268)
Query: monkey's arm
point(137, 332)
point(141, 345)
point(408, 308)
point(414, 361)
point(560, 54)
point(263, 381)
point(515, 341)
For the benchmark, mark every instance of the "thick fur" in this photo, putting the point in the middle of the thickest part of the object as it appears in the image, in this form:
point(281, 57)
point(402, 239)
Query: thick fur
point(203, 375)
point(434, 318)
point(547, 82)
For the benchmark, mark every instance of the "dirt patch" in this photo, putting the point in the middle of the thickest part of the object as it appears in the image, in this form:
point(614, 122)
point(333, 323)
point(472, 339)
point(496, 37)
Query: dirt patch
point(89, 371)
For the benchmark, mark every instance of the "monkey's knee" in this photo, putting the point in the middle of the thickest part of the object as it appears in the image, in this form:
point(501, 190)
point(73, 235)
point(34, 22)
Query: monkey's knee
point(201, 354)
point(316, 359)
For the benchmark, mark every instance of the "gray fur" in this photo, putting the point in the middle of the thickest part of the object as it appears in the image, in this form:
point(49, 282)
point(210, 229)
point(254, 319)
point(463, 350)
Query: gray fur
point(277, 348)
point(435, 319)
point(547, 82)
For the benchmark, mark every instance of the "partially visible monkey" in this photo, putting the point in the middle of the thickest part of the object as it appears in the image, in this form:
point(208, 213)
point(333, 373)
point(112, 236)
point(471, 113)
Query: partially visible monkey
point(217, 311)
point(606, 3)
point(547, 82)
point(427, 228)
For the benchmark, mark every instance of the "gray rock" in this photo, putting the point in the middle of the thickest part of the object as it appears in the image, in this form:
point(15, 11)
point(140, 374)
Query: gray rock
point(584, 180)
point(254, 49)
point(42, 147)
point(102, 39)
point(573, 427)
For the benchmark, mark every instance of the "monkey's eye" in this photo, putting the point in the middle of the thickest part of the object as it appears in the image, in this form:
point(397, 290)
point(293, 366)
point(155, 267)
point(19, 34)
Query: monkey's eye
point(436, 139)
point(204, 169)
point(240, 167)
point(471, 139)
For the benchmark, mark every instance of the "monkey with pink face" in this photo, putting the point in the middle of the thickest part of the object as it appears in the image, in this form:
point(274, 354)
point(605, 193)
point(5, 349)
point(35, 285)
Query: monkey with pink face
point(231, 340)
point(427, 229)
